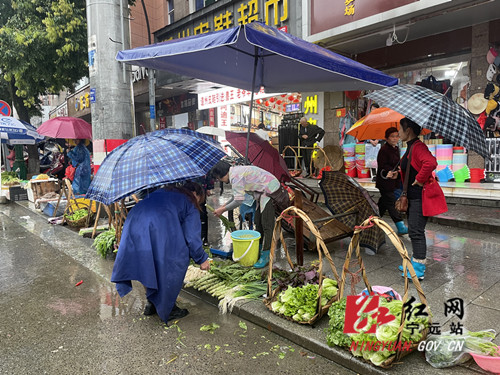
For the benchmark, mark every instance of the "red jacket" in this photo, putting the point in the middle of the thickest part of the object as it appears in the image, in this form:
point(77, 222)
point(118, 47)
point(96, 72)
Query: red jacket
point(433, 200)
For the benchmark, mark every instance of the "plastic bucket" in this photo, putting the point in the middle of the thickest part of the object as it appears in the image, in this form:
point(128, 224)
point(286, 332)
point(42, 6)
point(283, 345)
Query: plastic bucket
point(245, 247)
point(462, 174)
point(476, 174)
point(349, 149)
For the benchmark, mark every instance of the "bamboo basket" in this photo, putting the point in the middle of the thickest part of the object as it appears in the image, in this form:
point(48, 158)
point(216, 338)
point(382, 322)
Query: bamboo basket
point(84, 221)
point(407, 267)
point(322, 250)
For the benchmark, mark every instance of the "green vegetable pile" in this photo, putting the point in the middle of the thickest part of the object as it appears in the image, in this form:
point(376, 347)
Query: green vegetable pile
point(104, 243)
point(300, 303)
point(230, 282)
point(77, 215)
point(10, 178)
point(452, 350)
point(385, 333)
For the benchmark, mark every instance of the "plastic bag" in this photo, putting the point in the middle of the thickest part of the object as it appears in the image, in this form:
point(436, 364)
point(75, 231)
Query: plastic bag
point(449, 349)
point(371, 153)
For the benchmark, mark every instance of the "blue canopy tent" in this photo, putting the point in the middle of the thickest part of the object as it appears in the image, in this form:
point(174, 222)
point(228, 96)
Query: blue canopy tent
point(255, 55)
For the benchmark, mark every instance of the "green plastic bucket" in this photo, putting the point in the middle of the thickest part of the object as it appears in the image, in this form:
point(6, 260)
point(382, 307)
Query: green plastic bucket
point(245, 247)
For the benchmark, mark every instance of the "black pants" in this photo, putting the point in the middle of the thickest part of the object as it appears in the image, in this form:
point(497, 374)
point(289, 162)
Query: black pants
point(204, 222)
point(264, 222)
point(386, 203)
point(307, 159)
point(416, 228)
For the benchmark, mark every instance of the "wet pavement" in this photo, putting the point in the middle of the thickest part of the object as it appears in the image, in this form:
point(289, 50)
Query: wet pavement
point(462, 264)
point(51, 326)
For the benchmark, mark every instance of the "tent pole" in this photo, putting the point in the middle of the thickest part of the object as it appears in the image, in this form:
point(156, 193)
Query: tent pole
point(256, 58)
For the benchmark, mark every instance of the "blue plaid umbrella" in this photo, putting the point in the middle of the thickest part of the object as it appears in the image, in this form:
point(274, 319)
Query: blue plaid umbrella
point(436, 112)
point(157, 158)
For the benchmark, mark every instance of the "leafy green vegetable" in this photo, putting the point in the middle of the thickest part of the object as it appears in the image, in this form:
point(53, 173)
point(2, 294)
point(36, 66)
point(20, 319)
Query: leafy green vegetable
point(210, 328)
point(104, 243)
point(300, 303)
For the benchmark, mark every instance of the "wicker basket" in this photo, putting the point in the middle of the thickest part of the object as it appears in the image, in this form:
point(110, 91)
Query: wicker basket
point(407, 267)
point(322, 250)
point(82, 222)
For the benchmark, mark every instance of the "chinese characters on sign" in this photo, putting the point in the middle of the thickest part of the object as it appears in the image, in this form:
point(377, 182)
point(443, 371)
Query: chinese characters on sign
point(226, 96)
point(274, 13)
point(311, 108)
point(349, 8)
point(82, 102)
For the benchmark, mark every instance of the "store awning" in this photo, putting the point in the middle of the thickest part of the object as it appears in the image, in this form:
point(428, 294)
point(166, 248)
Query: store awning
point(284, 63)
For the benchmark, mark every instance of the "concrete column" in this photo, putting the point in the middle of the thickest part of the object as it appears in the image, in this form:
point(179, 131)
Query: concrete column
point(108, 32)
point(478, 68)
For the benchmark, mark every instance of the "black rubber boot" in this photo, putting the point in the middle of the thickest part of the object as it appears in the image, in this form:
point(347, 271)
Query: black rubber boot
point(177, 313)
point(149, 309)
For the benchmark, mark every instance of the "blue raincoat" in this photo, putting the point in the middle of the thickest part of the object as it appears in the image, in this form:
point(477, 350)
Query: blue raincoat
point(160, 235)
point(80, 158)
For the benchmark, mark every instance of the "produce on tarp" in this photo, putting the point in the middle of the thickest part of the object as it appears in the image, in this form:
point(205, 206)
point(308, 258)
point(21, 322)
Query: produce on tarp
point(451, 349)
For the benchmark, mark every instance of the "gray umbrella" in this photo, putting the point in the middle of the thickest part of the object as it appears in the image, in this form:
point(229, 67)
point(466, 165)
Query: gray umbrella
point(435, 112)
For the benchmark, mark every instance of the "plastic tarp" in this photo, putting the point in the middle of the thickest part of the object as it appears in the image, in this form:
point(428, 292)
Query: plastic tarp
point(285, 63)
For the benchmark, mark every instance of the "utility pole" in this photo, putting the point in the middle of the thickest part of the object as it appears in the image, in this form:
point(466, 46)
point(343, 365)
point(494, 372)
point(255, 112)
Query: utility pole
point(110, 84)
point(151, 79)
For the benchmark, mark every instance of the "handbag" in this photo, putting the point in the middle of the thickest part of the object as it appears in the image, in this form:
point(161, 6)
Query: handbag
point(433, 199)
point(402, 203)
point(280, 199)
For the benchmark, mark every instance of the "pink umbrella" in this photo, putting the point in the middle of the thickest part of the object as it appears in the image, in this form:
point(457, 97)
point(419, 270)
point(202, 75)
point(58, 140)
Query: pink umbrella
point(66, 127)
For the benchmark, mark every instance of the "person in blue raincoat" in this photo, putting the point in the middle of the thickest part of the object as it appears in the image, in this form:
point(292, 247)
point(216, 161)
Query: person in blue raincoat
point(160, 235)
point(80, 159)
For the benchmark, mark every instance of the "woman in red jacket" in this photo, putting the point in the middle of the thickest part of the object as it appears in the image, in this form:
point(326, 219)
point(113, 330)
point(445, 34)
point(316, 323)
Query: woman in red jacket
point(422, 164)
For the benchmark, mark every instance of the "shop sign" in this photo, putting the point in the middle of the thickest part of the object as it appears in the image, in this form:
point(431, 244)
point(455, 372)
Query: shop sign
point(293, 107)
point(211, 117)
point(223, 117)
point(273, 12)
point(92, 96)
point(82, 101)
point(313, 108)
point(347, 11)
point(139, 73)
point(162, 122)
point(179, 104)
point(228, 95)
point(60, 111)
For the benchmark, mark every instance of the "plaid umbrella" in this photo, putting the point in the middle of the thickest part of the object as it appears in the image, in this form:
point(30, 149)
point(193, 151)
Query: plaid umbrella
point(344, 195)
point(153, 159)
point(435, 112)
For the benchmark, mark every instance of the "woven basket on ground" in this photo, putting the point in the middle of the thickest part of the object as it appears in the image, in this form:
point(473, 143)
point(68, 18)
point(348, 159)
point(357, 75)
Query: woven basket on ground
point(407, 267)
point(322, 250)
point(84, 221)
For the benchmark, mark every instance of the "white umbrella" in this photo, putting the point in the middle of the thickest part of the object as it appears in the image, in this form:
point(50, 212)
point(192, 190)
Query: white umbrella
point(211, 130)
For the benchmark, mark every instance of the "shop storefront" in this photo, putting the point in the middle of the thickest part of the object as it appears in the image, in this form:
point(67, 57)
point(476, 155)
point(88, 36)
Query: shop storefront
point(417, 42)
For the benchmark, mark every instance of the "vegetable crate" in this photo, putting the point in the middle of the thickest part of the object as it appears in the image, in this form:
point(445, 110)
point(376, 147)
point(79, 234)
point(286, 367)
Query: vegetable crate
point(273, 294)
point(407, 267)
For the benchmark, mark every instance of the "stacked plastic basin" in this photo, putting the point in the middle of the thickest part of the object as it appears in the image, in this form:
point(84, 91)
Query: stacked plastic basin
point(459, 158)
point(432, 149)
point(350, 159)
point(362, 171)
point(444, 156)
